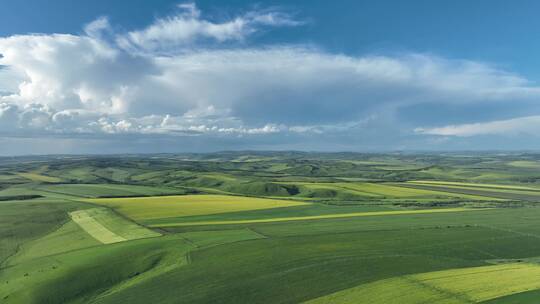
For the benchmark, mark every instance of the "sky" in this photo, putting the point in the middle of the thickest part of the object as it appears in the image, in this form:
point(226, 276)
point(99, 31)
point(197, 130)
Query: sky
point(145, 76)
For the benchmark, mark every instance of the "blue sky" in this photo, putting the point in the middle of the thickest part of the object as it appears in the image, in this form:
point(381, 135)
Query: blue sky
point(169, 76)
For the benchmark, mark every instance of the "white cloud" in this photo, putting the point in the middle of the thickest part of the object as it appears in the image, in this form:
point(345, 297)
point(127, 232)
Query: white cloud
point(186, 28)
point(94, 84)
point(65, 71)
point(522, 125)
point(8, 116)
point(97, 27)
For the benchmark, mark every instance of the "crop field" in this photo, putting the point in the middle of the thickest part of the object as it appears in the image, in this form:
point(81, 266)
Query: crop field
point(147, 208)
point(104, 226)
point(176, 223)
point(391, 191)
point(270, 227)
point(501, 193)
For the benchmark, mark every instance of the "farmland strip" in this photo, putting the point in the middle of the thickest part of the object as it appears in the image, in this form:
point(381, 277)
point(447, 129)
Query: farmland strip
point(479, 192)
point(94, 228)
point(317, 217)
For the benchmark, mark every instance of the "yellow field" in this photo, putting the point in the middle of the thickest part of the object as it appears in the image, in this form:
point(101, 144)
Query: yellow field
point(386, 190)
point(316, 217)
point(146, 208)
point(39, 178)
point(463, 285)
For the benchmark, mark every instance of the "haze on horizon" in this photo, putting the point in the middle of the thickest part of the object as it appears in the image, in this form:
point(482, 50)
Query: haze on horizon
point(168, 76)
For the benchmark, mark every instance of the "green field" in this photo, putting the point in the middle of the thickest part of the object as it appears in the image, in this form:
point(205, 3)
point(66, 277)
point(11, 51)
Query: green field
point(463, 285)
point(271, 227)
point(105, 190)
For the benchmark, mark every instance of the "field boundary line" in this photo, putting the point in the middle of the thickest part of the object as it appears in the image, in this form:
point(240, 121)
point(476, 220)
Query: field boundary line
point(258, 232)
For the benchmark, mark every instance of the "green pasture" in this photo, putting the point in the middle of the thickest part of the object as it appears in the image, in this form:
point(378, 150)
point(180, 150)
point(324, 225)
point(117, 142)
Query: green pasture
point(454, 286)
point(270, 227)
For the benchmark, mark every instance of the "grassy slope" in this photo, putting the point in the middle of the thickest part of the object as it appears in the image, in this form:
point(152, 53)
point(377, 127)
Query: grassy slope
point(295, 262)
point(462, 285)
point(272, 262)
point(298, 262)
point(99, 272)
point(68, 237)
point(292, 269)
point(22, 222)
point(519, 298)
point(106, 190)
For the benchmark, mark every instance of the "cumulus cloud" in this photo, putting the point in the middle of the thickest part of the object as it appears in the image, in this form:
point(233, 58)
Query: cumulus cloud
point(166, 79)
point(71, 72)
point(522, 125)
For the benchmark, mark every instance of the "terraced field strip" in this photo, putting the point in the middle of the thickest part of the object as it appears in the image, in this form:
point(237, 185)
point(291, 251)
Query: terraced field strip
point(318, 217)
point(384, 190)
point(495, 194)
point(477, 185)
point(392, 190)
point(85, 220)
point(454, 286)
point(158, 207)
point(533, 192)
